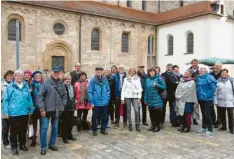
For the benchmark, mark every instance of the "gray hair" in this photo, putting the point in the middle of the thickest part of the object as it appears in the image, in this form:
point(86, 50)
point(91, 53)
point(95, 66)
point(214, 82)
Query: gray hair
point(66, 76)
point(206, 69)
point(19, 72)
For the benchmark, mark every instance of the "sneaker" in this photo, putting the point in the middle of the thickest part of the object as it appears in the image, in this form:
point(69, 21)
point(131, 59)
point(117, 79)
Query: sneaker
point(94, 133)
point(53, 147)
point(8, 146)
point(116, 125)
point(202, 130)
point(209, 133)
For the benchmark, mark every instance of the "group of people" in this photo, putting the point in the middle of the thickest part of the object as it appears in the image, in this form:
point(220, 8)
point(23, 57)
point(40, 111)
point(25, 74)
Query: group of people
point(110, 94)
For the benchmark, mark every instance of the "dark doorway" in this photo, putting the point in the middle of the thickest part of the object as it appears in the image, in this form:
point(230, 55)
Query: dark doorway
point(58, 61)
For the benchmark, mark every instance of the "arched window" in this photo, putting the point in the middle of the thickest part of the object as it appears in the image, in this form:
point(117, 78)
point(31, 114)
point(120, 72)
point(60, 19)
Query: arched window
point(170, 45)
point(95, 37)
point(129, 3)
point(12, 30)
point(125, 42)
point(144, 5)
point(190, 43)
point(150, 44)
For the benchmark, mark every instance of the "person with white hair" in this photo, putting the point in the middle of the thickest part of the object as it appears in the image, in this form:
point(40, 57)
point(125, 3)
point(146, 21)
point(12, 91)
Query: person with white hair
point(17, 106)
point(206, 85)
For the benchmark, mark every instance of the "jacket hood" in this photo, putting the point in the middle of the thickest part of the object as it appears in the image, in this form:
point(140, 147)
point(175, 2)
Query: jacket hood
point(5, 83)
point(203, 76)
point(14, 83)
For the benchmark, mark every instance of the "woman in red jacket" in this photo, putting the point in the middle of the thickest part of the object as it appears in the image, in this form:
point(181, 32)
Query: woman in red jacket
point(81, 96)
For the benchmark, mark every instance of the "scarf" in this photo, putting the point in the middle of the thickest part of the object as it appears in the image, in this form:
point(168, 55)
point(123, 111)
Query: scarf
point(70, 91)
point(36, 88)
point(83, 92)
point(224, 79)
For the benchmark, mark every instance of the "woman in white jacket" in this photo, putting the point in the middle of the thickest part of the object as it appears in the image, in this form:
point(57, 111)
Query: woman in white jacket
point(131, 95)
point(224, 99)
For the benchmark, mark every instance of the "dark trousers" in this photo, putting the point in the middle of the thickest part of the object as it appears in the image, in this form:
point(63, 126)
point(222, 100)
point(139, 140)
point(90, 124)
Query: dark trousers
point(186, 120)
point(223, 117)
point(155, 116)
point(213, 114)
point(144, 111)
point(34, 120)
point(18, 126)
point(218, 120)
point(5, 131)
point(67, 124)
point(206, 107)
point(172, 110)
point(100, 112)
point(111, 110)
point(81, 117)
point(117, 110)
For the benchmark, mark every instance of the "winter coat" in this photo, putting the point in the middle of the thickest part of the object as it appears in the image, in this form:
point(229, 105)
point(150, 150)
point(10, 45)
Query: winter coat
point(70, 106)
point(131, 88)
point(52, 96)
point(151, 96)
point(224, 95)
point(216, 75)
point(112, 83)
point(99, 92)
point(143, 79)
point(81, 105)
point(171, 80)
point(35, 91)
point(3, 88)
point(118, 87)
point(195, 74)
point(206, 85)
point(17, 101)
point(75, 77)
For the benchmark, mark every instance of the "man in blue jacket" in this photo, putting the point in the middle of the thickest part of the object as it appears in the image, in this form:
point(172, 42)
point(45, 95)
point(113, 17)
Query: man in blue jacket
point(99, 97)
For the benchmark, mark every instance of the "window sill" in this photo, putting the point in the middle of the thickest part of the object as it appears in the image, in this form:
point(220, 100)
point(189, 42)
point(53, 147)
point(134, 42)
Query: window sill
point(188, 53)
point(168, 55)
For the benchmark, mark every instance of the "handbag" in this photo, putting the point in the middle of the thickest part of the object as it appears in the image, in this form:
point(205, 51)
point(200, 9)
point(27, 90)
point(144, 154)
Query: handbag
point(162, 93)
point(121, 110)
point(30, 132)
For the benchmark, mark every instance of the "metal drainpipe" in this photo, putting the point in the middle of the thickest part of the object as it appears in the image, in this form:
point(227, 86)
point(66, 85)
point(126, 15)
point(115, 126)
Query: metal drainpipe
point(156, 47)
point(80, 40)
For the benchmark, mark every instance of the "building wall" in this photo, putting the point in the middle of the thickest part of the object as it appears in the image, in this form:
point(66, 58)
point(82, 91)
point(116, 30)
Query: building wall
point(40, 42)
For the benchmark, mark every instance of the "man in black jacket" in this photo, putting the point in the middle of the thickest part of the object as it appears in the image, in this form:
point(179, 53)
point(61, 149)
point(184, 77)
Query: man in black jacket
point(76, 73)
point(172, 81)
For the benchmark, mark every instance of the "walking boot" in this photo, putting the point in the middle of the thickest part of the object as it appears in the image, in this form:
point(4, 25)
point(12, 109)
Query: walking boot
point(34, 143)
point(195, 122)
point(138, 128)
point(116, 125)
point(156, 129)
point(151, 128)
point(130, 127)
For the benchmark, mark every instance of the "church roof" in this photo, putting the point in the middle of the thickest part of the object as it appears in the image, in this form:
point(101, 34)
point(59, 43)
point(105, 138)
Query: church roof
point(125, 13)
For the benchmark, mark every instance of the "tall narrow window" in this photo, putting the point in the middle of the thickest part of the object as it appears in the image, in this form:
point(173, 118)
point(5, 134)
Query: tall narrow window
point(190, 43)
point(221, 9)
point(150, 45)
point(181, 3)
point(170, 45)
point(129, 3)
point(12, 30)
point(95, 39)
point(143, 5)
point(125, 42)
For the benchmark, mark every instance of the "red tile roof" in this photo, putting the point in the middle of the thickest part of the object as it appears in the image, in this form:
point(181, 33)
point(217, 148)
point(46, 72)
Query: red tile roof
point(114, 11)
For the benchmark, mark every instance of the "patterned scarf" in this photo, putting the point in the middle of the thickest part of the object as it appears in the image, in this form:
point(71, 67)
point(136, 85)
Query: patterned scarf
point(36, 88)
point(83, 92)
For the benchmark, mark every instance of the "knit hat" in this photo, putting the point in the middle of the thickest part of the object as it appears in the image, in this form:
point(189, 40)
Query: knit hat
point(28, 72)
point(36, 72)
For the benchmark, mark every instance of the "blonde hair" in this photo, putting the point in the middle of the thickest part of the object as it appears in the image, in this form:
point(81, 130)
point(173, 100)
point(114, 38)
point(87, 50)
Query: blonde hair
point(132, 69)
point(66, 76)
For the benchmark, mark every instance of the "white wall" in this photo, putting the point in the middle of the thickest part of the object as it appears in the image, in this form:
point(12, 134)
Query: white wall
point(213, 37)
point(179, 30)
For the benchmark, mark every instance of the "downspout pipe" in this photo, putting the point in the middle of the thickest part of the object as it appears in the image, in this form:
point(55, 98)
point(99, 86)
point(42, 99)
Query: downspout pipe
point(80, 24)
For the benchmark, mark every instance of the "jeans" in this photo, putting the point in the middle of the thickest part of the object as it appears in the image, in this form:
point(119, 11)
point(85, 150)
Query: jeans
point(19, 127)
point(230, 117)
point(111, 110)
point(206, 107)
point(129, 103)
point(100, 112)
point(44, 128)
point(117, 110)
point(5, 131)
point(155, 116)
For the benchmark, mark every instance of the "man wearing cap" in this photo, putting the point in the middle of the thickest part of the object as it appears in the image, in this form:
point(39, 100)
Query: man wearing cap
point(216, 74)
point(142, 76)
point(99, 97)
point(52, 100)
point(76, 73)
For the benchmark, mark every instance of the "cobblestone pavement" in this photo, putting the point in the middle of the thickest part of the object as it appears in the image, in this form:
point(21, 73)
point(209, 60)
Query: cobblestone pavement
point(120, 143)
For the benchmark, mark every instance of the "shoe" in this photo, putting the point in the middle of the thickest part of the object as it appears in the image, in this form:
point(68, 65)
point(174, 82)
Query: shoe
point(59, 135)
point(112, 122)
point(79, 128)
point(222, 129)
point(151, 128)
point(195, 122)
point(161, 125)
point(138, 128)
point(156, 129)
point(34, 143)
point(186, 130)
point(181, 129)
point(8, 146)
point(104, 132)
point(52, 147)
point(15, 152)
point(23, 148)
point(94, 133)
point(43, 152)
point(65, 141)
point(209, 133)
point(145, 123)
point(130, 127)
point(231, 131)
point(116, 125)
point(72, 138)
point(217, 124)
point(125, 124)
point(202, 130)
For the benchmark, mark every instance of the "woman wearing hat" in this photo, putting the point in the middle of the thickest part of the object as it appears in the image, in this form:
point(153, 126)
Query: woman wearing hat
point(35, 85)
point(28, 77)
point(17, 106)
